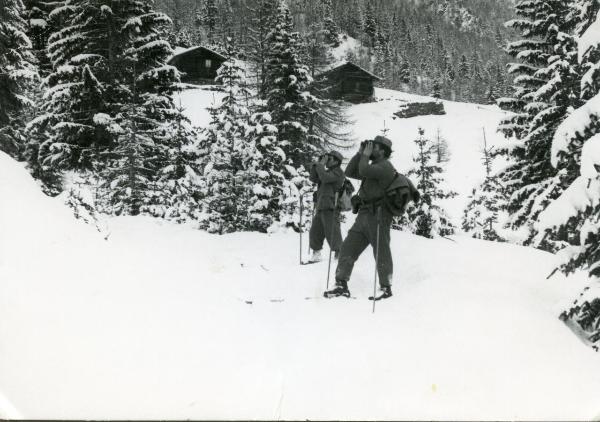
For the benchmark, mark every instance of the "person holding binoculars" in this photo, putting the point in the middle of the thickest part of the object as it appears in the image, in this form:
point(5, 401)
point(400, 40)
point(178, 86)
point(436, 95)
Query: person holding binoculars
point(373, 221)
point(329, 177)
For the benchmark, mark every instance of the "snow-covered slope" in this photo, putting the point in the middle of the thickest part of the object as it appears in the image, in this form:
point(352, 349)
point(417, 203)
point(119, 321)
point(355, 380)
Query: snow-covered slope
point(164, 322)
point(462, 126)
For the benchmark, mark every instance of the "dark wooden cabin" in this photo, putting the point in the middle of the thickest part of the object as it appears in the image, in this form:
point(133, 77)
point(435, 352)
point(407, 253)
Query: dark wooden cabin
point(349, 82)
point(199, 65)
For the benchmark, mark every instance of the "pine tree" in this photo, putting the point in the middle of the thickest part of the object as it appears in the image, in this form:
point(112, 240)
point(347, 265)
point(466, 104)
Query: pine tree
point(544, 94)
point(288, 80)
point(16, 72)
point(291, 107)
point(40, 25)
point(262, 22)
point(464, 71)
point(441, 148)
point(90, 111)
point(487, 201)
point(179, 181)
point(428, 218)
point(404, 72)
point(128, 173)
point(209, 20)
point(227, 154)
point(436, 89)
point(269, 187)
point(370, 24)
point(575, 149)
point(331, 31)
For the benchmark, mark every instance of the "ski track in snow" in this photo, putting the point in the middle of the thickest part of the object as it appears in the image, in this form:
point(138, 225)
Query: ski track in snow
point(154, 322)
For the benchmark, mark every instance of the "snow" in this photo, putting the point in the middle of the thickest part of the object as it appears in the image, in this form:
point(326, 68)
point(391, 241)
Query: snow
point(151, 320)
point(584, 192)
point(590, 38)
point(196, 100)
point(102, 119)
point(462, 126)
point(39, 23)
point(347, 45)
point(590, 157)
point(575, 123)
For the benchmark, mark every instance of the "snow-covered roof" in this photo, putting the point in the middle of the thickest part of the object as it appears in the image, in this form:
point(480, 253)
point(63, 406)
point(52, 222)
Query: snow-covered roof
point(179, 51)
point(341, 64)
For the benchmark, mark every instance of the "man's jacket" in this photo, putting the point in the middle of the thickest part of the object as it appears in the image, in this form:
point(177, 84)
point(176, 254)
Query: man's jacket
point(376, 176)
point(330, 181)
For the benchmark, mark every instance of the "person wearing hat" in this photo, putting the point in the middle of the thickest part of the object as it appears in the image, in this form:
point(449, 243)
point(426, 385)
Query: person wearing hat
point(329, 177)
point(370, 165)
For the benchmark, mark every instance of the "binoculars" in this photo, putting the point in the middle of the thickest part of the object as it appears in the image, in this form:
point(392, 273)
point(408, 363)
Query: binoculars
point(365, 142)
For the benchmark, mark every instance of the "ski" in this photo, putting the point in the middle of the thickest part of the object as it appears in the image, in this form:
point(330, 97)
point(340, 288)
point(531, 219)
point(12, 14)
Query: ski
point(252, 301)
point(309, 262)
point(327, 297)
point(380, 297)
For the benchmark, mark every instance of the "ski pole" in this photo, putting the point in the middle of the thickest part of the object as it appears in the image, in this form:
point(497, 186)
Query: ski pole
point(300, 229)
point(331, 238)
point(312, 217)
point(376, 259)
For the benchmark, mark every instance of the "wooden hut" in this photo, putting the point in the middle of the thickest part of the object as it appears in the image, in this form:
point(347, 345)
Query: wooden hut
point(199, 64)
point(350, 82)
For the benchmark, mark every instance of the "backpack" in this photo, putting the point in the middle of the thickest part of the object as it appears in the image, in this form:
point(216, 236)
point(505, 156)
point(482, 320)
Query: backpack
point(399, 193)
point(344, 202)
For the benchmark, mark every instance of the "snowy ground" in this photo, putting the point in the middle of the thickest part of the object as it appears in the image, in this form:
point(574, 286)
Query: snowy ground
point(462, 126)
point(163, 321)
point(154, 322)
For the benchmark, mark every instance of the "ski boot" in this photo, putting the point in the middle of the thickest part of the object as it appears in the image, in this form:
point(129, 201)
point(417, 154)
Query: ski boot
point(341, 289)
point(386, 293)
point(315, 257)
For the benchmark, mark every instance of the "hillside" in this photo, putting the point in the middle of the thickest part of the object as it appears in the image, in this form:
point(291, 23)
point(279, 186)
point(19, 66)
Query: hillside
point(162, 321)
point(462, 127)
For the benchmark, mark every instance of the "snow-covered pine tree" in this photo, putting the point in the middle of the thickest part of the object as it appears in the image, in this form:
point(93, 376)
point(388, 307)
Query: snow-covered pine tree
point(262, 18)
point(208, 19)
point(428, 218)
point(577, 210)
point(437, 88)
point(331, 31)
point(228, 156)
point(545, 89)
point(380, 58)
point(16, 72)
point(404, 72)
point(463, 68)
point(179, 182)
point(40, 24)
point(91, 58)
point(487, 201)
point(128, 172)
point(270, 186)
point(91, 114)
point(441, 148)
point(291, 106)
point(370, 24)
point(288, 81)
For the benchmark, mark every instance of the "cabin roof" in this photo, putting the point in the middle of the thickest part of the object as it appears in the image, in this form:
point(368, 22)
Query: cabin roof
point(346, 64)
point(183, 52)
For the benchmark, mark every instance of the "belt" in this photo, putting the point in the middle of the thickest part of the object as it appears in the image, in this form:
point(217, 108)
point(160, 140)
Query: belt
point(373, 203)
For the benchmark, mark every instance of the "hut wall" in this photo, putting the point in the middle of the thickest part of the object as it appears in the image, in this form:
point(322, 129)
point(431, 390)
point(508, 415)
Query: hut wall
point(199, 67)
